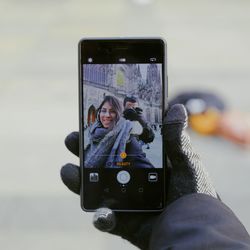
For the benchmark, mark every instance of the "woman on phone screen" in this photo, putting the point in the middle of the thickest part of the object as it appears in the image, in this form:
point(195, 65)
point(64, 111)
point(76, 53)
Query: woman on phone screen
point(112, 141)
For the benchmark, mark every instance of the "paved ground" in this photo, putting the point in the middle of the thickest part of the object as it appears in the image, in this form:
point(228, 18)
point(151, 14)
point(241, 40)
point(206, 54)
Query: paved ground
point(208, 48)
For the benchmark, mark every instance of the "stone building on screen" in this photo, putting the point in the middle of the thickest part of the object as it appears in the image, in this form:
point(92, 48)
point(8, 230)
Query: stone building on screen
point(121, 80)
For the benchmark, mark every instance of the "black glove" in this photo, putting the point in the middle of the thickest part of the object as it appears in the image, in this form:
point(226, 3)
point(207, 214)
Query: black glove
point(187, 175)
point(133, 114)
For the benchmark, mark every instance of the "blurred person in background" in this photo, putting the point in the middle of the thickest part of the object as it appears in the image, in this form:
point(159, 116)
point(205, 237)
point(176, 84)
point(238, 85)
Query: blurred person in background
point(209, 115)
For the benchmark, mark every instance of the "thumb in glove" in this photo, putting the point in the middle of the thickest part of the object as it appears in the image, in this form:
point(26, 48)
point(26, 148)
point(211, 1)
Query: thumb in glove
point(188, 174)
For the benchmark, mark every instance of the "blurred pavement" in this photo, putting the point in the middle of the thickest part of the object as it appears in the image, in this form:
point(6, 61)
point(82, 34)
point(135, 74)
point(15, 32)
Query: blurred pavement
point(208, 49)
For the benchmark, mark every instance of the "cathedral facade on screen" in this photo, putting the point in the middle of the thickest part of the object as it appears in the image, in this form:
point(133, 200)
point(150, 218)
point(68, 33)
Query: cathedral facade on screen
point(121, 80)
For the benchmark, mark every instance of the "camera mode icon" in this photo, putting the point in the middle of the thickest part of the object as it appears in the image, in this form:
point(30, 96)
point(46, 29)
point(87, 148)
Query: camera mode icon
point(93, 177)
point(152, 177)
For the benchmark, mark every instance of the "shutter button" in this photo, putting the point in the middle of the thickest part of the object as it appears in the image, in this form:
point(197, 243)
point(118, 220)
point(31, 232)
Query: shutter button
point(123, 177)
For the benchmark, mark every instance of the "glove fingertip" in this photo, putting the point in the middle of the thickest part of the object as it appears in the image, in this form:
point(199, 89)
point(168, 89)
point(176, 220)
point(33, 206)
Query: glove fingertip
point(104, 219)
point(72, 142)
point(176, 114)
point(70, 175)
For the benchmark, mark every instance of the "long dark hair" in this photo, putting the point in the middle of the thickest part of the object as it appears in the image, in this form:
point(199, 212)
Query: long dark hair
point(116, 105)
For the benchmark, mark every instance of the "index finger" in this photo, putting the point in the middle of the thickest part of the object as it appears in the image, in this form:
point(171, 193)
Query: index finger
point(72, 143)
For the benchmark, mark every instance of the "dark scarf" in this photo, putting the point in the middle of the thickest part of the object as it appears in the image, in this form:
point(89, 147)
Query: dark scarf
point(106, 145)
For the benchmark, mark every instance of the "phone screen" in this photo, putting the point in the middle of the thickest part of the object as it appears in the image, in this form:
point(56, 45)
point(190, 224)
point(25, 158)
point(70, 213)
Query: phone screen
point(122, 104)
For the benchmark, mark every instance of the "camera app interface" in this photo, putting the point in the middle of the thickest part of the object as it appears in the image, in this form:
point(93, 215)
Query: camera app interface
point(122, 112)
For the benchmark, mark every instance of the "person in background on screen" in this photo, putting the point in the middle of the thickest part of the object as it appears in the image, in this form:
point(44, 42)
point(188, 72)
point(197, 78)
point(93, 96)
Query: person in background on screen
point(133, 112)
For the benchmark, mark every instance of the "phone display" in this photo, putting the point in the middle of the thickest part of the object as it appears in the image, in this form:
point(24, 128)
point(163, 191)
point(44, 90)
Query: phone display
point(122, 101)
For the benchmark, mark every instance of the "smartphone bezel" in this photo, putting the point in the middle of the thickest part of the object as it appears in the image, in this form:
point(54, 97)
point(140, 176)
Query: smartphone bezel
point(164, 105)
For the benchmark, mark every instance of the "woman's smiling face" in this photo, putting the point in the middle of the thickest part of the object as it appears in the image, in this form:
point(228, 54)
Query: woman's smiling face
point(107, 115)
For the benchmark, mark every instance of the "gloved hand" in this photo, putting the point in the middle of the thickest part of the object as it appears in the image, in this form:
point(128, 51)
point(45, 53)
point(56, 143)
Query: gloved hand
point(186, 175)
point(133, 114)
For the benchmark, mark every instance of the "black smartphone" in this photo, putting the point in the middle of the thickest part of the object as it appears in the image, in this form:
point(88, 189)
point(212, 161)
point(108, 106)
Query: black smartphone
point(122, 98)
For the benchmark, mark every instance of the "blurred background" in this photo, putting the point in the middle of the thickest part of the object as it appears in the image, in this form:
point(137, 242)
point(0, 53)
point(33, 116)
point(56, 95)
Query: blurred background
point(208, 49)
